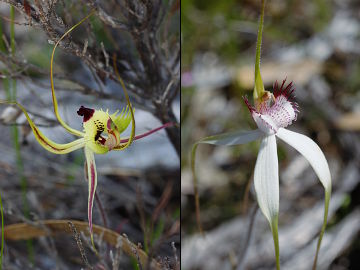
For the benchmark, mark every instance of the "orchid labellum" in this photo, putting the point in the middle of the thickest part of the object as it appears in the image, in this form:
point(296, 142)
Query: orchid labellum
point(272, 113)
point(102, 132)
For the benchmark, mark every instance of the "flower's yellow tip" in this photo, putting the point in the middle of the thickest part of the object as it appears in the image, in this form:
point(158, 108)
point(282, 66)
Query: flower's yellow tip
point(93, 243)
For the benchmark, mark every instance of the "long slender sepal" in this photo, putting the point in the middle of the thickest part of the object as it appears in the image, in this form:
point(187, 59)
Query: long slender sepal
point(45, 142)
point(266, 181)
point(312, 152)
point(232, 138)
point(56, 110)
point(92, 183)
point(259, 85)
point(132, 134)
point(137, 137)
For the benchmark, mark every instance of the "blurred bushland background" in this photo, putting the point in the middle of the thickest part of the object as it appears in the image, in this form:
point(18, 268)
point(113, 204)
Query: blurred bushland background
point(315, 44)
point(139, 187)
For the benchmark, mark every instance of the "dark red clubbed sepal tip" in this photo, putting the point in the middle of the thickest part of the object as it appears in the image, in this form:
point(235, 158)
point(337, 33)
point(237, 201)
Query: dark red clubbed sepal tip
point(87, 113)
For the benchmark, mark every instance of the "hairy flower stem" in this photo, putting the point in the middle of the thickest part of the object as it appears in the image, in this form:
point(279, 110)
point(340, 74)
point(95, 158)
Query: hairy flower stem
point(259, 85)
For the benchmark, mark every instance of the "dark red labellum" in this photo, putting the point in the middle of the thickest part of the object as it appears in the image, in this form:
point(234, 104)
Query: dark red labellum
point(87, 113)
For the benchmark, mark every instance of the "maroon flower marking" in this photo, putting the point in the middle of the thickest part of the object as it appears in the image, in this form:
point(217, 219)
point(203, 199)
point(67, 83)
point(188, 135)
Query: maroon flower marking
point(87, 113)
point(287, 92)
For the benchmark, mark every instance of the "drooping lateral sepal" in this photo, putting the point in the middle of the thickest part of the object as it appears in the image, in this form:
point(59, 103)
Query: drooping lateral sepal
point(44, 141)
point(312, 152)
point(92, 183)
point(266, 181)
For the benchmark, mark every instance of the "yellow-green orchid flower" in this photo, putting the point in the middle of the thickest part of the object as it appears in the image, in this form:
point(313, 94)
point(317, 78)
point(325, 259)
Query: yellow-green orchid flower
point(101, 131)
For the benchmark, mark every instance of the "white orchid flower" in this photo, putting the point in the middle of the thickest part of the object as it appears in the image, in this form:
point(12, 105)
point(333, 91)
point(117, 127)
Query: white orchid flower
point(273, 112)
point(272, 116)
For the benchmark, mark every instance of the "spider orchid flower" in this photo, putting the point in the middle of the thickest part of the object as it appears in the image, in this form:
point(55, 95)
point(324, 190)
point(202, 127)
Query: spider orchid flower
point(276, 112)
point(272, 113)
point(102, 132)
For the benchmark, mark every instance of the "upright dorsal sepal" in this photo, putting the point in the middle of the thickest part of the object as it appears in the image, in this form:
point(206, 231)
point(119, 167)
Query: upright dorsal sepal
point(259, 89)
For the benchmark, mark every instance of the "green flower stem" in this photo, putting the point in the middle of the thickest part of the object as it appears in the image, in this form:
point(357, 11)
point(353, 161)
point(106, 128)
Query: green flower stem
point(274, 229)
point(259, 85)
point(327, 202)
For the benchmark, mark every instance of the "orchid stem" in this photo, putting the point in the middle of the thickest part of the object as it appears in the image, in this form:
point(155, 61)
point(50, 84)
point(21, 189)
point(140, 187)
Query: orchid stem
point(327, 202)
point(274, 229)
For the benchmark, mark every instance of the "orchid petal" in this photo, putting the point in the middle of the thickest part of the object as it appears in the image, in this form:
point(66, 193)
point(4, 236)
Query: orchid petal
point(92, 182)
point(68, 128)
point(231, 138)
point(137, 137)
point(312, 152)
point(122, 121)
point(266, 181)
point(45, 142)
point(132, 134)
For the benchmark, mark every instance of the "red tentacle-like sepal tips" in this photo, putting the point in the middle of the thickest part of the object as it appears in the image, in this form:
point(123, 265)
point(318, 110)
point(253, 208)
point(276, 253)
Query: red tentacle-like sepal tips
point(250, 107)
